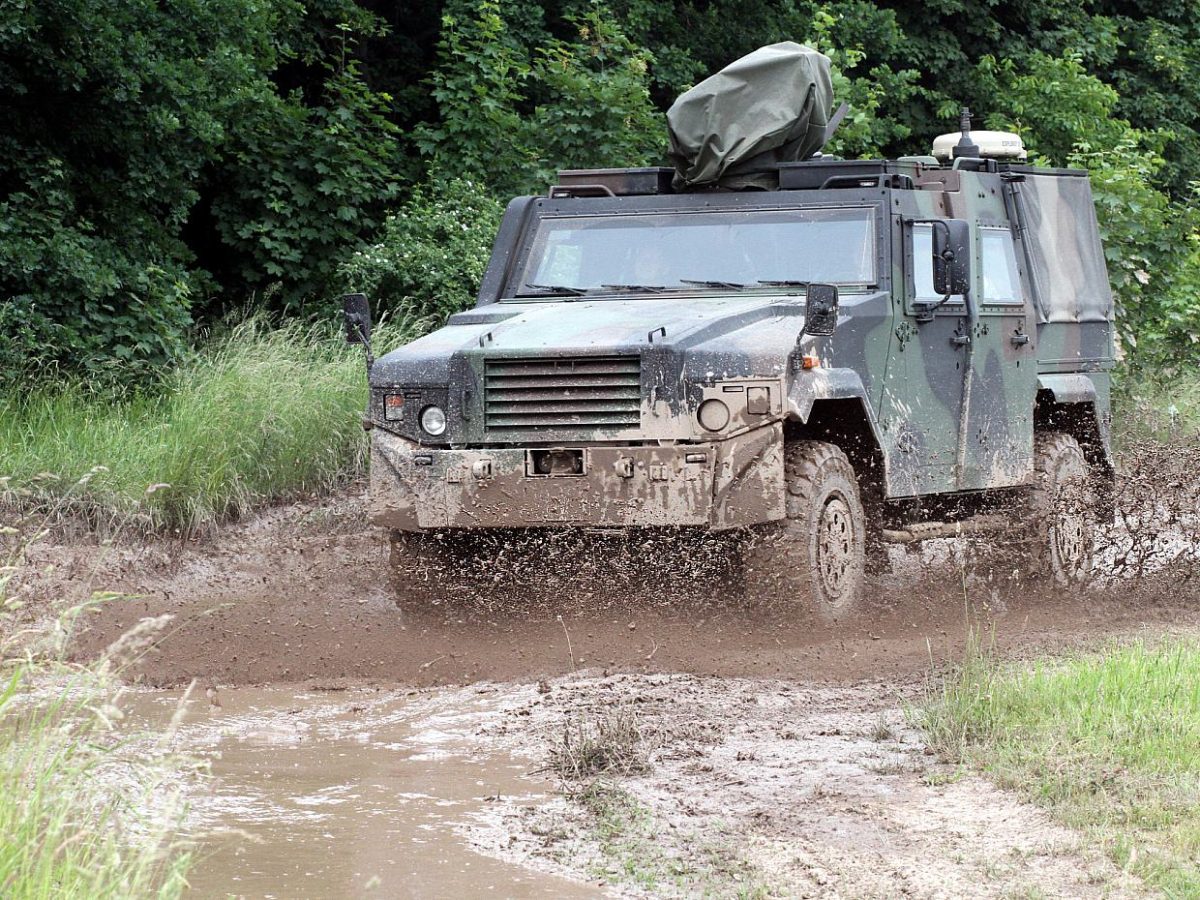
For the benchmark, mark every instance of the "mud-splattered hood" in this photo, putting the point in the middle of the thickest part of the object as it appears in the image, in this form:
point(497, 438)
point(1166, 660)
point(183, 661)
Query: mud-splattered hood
point(618, 325)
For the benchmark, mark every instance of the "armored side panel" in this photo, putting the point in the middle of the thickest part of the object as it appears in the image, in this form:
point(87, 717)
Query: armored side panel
point(1067, 271)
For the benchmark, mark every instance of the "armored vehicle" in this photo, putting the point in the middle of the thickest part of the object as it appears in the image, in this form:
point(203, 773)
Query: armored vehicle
point(854, 353)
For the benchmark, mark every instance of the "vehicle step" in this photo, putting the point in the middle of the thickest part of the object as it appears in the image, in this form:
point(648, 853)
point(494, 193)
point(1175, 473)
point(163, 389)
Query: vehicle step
point(924, 531)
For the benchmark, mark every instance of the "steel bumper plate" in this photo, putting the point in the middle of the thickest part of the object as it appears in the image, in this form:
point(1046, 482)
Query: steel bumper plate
point(414, 488)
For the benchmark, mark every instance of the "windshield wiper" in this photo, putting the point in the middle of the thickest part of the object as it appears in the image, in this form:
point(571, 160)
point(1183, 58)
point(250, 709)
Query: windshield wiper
point(786, 283)
point(733, 285)
point(561, 289)
point(648, 288)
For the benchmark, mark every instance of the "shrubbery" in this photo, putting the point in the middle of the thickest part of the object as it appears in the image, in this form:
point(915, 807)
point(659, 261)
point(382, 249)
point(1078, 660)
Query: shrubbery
point(431, 255)
point(167, 162)
point(149, 159)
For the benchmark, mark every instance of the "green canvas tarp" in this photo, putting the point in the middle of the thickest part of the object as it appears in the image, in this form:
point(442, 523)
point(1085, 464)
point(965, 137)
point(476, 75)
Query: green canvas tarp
point(770, 106)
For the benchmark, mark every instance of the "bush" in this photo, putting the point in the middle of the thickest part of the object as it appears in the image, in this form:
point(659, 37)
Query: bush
point(144, 142)
point(510, 114)
point(431, 256)
point(301, 187)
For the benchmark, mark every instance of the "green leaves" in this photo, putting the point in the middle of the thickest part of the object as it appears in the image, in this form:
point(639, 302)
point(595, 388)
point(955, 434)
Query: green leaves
point(146, 145)
point(511, 114)
point(430, 258)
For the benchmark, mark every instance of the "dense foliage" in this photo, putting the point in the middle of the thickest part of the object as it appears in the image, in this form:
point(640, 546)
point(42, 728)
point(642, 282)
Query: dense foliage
point(161, 163)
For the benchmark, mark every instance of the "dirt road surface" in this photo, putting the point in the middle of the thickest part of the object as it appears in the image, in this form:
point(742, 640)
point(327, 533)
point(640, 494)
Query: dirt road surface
point(783, 763)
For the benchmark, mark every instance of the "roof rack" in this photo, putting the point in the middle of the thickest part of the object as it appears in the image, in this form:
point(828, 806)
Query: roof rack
point(613, 182)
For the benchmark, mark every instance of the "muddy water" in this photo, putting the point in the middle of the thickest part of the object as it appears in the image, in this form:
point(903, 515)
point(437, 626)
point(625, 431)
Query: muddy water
point(351, 793)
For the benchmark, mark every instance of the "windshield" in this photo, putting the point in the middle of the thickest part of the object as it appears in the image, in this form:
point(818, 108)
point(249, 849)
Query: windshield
point(680, 250)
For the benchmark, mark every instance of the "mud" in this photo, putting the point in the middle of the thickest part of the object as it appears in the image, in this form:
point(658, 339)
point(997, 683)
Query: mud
point(766, 788)
point(351, 793)
point(301, 594)
point(362, 748)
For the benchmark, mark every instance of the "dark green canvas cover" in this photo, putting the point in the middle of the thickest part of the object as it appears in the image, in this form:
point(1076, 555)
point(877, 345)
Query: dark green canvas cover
point(770, 106)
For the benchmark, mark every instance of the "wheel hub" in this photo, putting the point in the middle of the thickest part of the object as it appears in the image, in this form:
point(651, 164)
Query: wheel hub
point(835, 545)
point(1070, 536)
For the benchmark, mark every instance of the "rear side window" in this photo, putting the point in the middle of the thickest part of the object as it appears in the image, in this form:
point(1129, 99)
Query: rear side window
point(1001, 283)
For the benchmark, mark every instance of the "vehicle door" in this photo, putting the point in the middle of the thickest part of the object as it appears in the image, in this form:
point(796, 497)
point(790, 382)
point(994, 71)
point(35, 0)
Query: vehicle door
point(922, 403)
point(998, 440)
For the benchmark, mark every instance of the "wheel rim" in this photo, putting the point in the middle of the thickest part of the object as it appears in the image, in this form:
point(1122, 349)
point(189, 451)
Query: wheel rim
point(1069, 534)
point(835, 546)
point(1070, 541)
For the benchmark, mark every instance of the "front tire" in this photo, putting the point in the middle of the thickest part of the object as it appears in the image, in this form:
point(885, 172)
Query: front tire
point(818, 552)
point(1062, 512)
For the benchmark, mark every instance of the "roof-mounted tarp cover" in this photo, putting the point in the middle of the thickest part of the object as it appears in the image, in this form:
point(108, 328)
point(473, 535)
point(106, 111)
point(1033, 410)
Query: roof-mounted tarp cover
point(770, 106)
point(1071, 279)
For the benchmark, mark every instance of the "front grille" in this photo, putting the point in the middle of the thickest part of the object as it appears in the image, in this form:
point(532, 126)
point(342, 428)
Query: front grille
point(522, 396)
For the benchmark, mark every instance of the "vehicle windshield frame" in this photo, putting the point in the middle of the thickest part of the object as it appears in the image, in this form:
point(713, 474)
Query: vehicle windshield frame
point(527, 269)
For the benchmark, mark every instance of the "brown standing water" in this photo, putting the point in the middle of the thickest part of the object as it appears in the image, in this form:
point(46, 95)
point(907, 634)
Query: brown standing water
point(353, 793)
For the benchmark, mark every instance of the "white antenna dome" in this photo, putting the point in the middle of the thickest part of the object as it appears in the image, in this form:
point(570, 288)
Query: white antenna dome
point(992, 145)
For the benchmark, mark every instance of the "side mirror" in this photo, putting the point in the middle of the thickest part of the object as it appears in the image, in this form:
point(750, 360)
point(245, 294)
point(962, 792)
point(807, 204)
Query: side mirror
point(820, 309)
point(356, 311)
point(951, 257)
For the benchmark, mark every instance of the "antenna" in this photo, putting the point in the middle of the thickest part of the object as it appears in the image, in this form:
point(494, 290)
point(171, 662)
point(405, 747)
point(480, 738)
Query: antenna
point(965, 146)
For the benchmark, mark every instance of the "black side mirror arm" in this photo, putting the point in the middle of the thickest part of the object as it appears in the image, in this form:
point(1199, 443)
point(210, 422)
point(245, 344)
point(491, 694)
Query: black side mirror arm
point(356, 315)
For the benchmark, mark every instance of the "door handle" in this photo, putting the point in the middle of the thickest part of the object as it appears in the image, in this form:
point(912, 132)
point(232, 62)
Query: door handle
point(960, 340)
point(1020, 339)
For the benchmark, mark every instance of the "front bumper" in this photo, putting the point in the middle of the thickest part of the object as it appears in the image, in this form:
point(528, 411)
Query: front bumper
point(723, 484)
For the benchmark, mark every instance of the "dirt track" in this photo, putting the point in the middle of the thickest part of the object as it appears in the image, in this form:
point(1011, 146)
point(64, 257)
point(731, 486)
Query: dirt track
point(301, 594)
point(791, 772)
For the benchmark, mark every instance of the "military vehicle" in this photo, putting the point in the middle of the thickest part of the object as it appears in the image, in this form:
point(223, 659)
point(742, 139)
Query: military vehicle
point(823, 355)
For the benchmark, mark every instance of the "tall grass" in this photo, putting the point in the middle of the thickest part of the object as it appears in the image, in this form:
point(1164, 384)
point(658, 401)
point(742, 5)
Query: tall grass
point(1164, 411)
point(259, 415)
point(1109, 742)
point(80, 814)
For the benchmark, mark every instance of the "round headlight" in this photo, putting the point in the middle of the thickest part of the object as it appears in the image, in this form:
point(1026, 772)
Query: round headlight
point(713, 415)
point(433, 420)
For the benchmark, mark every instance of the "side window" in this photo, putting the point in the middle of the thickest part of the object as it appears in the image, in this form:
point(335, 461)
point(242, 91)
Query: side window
point(922, 247)
point(1001, 283)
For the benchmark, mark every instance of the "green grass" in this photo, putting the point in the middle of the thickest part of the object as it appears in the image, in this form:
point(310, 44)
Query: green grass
point(1109, 742)
point(78, 816)
point(1160, 410)
point(258, 415)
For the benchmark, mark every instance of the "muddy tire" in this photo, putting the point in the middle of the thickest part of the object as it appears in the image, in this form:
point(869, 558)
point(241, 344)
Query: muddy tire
point(1061, 534)
point(817, 554)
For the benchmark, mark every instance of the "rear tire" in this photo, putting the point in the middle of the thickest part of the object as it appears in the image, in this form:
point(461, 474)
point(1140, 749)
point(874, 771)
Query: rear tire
point(818, 552)
point(1062, 508)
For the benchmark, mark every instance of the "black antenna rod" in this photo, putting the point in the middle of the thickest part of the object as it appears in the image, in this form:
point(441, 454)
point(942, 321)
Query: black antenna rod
point(965, 146)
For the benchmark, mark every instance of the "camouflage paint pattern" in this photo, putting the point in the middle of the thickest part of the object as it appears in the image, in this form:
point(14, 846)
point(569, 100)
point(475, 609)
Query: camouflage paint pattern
point(951, 397)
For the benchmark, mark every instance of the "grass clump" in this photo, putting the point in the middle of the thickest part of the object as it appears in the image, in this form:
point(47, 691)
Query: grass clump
point(260, 414)
point(610, 744)
point(80, 814)
point(1109, 742)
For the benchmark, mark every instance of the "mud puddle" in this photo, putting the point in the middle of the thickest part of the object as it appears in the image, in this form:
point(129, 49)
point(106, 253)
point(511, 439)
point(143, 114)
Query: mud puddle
point(350, 793)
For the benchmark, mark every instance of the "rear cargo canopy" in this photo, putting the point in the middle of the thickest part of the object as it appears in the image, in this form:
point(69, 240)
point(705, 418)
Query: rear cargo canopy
point(732, 129)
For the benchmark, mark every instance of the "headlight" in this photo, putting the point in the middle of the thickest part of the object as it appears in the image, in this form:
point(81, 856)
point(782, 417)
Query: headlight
point(433, 420)
point(713, 415)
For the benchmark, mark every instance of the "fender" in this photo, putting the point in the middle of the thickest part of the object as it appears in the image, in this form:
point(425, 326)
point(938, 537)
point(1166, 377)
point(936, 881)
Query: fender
point(1068, 388)
point(1080, 406)
point(811, 385)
